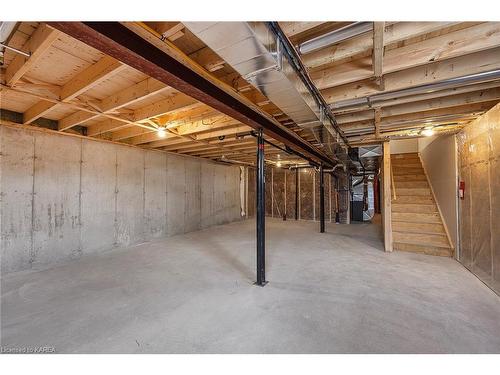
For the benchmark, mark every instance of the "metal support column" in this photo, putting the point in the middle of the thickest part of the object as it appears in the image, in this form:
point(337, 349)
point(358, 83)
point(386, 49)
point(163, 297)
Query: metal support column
point(261, 212)
point(321, 200)
point(297, 194)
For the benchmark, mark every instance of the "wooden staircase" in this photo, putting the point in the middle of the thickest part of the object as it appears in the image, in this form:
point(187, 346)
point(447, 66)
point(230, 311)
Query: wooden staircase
point(417, 225)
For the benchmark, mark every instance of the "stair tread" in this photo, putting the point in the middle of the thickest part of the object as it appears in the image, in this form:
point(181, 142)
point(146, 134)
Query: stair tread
point(419, 230)
point(412, 203)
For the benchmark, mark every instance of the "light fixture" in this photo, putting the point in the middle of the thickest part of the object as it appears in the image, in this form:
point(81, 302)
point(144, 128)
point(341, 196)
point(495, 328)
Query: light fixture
point(162, 133)
point(278, 164)
point(428, 132)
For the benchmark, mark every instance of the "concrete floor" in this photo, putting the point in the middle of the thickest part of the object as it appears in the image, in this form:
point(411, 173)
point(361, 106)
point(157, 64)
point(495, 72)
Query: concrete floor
point(331, 293)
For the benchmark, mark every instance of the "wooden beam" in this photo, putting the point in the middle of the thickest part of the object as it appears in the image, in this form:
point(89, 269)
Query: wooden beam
point(37, 45)
point(83, 81)
point(423, 106)
point(191, 128)
point(131, 94)
point(376, 120)
point(176, 115)
point(165, 106)
point(378, 52)
point(71, 104)
point(441, 94)
point(106, 126)
point(386, 197)
point(36, 111)
point(434, 72)
point(292, 29)
point(455, 110)
point(463, 42)
point(362, 45)
point(91, 77)
point(173, 31)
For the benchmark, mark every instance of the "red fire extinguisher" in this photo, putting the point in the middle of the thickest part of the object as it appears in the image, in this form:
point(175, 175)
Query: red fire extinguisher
point(461, 189)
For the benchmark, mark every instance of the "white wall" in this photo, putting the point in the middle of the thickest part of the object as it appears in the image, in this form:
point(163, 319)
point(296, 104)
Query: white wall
point(439, 156)
point(64, 196)
point(404, 146)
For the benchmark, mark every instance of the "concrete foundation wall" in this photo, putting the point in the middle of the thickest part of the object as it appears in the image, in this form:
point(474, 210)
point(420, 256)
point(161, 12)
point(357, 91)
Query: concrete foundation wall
point(63, 196)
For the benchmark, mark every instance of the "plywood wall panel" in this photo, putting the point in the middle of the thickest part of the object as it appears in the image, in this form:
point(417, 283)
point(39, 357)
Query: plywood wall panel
point(268, 173)
point(290, 194)
point(279, 192)
point(480, 213)
point(251, 192)
point(306, 194)
point(479, 150)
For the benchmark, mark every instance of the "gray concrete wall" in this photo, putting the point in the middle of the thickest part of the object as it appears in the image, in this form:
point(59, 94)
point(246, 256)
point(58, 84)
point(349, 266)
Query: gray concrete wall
point(64, 196)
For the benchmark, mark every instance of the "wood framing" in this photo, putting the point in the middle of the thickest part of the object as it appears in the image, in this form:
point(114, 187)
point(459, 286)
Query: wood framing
point(386, 197)
point(37, 45)
point(96, 95)
point(378, 52)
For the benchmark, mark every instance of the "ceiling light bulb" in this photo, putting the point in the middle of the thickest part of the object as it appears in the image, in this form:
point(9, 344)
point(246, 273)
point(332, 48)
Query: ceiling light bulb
point(278, 164)
point(162, 133)
point(428, 132)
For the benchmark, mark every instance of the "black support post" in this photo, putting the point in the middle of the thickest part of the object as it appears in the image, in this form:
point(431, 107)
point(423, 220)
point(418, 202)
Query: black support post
point(261, 213)
point(297, 194)
point(321, 200)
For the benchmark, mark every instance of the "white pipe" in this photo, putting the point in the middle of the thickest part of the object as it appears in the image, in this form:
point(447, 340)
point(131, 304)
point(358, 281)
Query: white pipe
point(335, 36)
point(422, 89)
point(27, 54)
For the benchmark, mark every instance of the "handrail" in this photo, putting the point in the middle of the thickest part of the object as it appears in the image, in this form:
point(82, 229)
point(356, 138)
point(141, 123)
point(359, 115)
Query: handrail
point(393, 185)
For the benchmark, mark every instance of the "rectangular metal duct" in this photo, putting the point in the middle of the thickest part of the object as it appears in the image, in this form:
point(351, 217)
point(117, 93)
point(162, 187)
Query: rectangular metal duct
point(254, 52)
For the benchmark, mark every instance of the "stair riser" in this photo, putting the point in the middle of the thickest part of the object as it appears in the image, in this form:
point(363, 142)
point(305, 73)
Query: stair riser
point(407, 171)
point(428, 250)
point(421, 228)
point(405, 155)
point(416, 218)
point(414, 208)
point(410, 184)
point(421, 191)
point(413, 199)
point(403, 165)
point(435, 240)
point(409, 178)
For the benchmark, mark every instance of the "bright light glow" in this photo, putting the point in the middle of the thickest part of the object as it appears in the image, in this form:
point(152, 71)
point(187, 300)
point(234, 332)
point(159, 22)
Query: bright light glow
point(162, 133)
point(428, 132)
point(278, 164)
